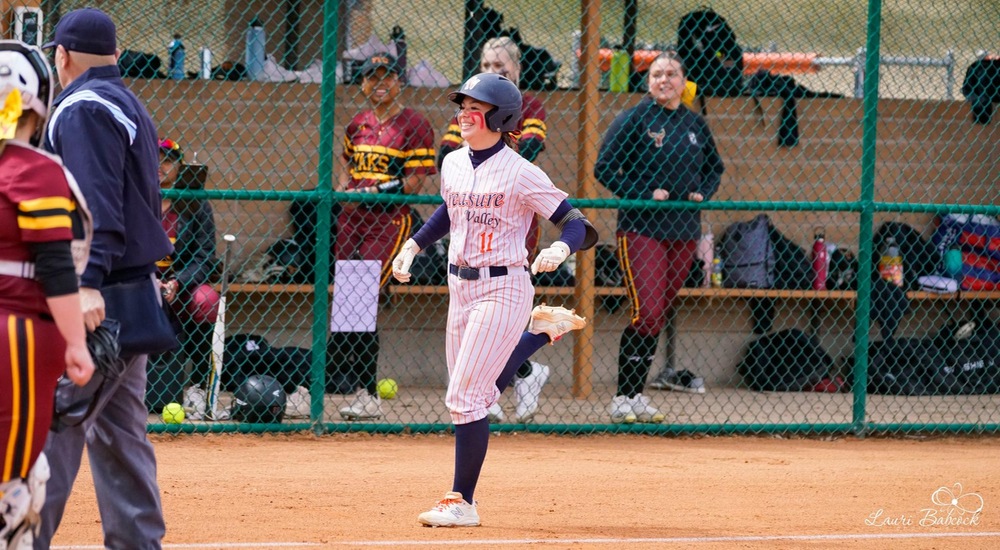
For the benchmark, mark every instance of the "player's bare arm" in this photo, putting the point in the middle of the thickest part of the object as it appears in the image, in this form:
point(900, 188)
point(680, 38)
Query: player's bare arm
point(414, 183)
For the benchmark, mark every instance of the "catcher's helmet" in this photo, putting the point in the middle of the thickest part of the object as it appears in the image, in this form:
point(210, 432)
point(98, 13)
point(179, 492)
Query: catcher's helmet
point(24, 68)
point(259, 399)
point(498, 91)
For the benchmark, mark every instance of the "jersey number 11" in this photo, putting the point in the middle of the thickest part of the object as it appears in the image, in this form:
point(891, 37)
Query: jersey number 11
point(486, 242)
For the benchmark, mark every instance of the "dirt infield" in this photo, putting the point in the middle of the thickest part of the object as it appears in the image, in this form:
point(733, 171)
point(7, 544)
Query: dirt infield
point(587, 492)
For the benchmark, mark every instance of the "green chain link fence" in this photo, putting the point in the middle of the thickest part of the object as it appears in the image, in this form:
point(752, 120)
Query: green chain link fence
point(872, 135)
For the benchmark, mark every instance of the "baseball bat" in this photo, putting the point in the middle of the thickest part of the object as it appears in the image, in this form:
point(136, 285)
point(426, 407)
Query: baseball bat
point(219, 340)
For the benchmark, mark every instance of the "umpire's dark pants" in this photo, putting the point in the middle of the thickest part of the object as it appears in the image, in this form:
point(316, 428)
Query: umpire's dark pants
point(122, 463)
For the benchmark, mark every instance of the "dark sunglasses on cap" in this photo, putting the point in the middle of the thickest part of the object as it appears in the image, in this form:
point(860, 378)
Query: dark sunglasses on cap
point(171, 149)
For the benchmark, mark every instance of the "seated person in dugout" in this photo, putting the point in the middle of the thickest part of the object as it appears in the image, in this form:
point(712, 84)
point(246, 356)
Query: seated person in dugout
point(184, 280)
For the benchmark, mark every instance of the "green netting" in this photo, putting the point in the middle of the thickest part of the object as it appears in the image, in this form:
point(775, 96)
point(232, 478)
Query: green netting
point(829, 119)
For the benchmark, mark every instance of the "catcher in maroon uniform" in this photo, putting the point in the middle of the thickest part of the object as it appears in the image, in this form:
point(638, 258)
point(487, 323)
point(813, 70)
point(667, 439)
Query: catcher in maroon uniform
point(388, 149)
point(44, 333)
point(502, 56)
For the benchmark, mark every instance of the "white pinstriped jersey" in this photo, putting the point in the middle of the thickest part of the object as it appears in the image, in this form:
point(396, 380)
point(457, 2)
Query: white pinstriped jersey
point(491, 207)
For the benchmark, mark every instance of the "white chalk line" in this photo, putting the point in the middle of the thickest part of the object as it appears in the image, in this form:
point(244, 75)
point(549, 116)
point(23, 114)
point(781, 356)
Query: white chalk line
point(594, 541)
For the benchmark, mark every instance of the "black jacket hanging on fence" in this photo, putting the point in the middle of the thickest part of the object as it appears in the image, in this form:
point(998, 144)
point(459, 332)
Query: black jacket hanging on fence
point(765, 84)
point(981, 88)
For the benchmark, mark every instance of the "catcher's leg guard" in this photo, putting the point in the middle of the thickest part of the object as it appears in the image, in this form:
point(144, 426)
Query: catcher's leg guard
point(20, 503)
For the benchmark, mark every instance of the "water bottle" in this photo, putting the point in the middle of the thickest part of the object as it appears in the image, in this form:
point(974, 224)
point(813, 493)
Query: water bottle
point(255, 48)
point(820, 261)
point(618, 74)
point(717, 270)
point(398, 38)
point(890, 265)
point(175, 55)
point(206, 64)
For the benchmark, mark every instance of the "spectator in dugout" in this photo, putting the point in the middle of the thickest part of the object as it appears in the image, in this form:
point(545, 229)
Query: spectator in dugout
point(502, 56)
point(389, 150)
point(184, 281)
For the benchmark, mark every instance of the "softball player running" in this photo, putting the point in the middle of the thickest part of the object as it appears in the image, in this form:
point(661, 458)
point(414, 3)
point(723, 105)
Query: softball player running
point(44, 334)
point(502, 56)
point(490, 194)
point(387, 149)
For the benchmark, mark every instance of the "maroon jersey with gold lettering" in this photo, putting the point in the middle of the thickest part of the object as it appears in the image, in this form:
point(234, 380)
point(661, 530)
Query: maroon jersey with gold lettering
point(35, 206)
point(377, 152)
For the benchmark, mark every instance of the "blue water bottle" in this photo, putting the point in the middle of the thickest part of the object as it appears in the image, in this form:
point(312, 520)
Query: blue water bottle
point(175, 54)
point(255, 49)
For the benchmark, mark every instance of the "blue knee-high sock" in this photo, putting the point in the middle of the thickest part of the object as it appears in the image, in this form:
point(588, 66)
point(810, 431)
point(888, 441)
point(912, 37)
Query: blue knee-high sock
point(526, 347)
point(471, 441)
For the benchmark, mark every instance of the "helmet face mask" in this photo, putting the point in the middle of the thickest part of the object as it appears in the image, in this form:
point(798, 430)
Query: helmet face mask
point(24, 68)
point(498, 91)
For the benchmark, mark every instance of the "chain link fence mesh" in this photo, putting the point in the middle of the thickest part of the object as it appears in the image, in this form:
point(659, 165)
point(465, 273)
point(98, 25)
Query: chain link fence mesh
point(829, 120)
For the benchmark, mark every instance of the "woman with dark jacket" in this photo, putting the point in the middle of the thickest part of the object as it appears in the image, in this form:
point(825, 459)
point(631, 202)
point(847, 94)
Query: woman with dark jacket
point(184, 280)
point(658, 150)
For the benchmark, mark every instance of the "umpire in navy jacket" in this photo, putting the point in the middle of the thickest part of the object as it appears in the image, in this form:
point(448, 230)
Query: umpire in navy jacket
point(109, 143)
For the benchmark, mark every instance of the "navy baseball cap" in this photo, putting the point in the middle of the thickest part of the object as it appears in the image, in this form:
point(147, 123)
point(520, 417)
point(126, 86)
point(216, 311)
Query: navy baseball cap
point(86, 30)
point(380, 60)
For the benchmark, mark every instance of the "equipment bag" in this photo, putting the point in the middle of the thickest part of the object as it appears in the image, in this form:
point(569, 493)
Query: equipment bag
point(133, 64)
point(971, 358)
point(706, 43)
point(538, 68)
point(788, 360)
point(747, 254)
point(904, 366)
point(979, 239)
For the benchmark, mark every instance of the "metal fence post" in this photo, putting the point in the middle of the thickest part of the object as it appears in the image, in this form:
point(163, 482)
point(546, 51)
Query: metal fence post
point(859, 74)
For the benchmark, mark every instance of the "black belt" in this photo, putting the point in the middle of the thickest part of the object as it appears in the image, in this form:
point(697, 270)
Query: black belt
point(472, 273)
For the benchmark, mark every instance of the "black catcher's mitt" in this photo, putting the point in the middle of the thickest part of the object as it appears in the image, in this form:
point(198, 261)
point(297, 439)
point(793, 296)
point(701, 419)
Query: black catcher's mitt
point(73, 404)
point(105, 349)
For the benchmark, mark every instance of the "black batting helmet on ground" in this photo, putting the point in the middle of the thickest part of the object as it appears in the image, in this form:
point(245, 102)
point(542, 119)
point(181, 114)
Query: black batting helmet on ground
point(498, 91)
point(259, 399)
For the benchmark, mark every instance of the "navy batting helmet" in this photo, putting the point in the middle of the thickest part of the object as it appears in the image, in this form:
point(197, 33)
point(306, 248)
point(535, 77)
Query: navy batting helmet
point(259, 399)
point(498, 91)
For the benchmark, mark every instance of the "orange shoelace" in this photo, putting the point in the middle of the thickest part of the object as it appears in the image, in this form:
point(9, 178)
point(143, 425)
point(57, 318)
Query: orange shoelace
point(447, 502)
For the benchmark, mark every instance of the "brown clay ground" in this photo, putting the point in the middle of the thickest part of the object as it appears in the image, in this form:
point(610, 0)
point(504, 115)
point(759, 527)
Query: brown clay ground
point(588, 492)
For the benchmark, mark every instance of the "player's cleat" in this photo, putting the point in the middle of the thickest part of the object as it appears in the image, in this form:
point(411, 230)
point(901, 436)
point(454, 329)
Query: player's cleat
point(554, 321)
point(298, 403)
point(195, 402)
point(495, 413)
point(527, 390)
point(452, 511)
point(621, 410)
point(644, 412)
point(965, 330)
point(685, 381)
point(364, 407)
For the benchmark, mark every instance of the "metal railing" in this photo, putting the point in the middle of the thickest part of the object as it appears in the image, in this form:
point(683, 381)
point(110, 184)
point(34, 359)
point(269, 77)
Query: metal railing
point(857, 62)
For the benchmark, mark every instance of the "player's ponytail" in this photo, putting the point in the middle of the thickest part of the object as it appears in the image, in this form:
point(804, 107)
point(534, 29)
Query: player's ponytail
point(509, 139)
